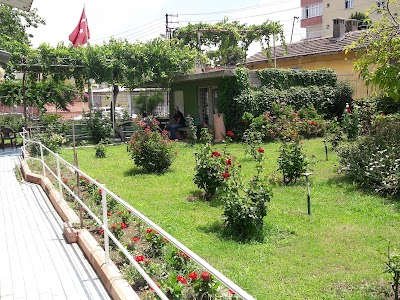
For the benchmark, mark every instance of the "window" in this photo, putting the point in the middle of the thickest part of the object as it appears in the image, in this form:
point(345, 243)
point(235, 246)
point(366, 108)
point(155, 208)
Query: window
point(312, 10)
point(348, 4)
point(208, 104)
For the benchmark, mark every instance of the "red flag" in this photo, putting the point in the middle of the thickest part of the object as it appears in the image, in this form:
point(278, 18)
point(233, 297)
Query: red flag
point(81, 33)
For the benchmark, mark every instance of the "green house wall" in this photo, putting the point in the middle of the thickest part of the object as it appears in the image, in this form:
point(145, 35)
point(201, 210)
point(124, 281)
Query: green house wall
point(190, 91)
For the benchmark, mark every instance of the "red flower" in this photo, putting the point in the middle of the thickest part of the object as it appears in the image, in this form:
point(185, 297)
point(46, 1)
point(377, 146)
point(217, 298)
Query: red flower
point(101, 231)
point(135, 239)
point(226, 175)
point(165, 240)
point(119, 213)
point(229, 162)
point(181, 279)
point(108, 214)
point(129, 211)
point(100, 192)
point(193, 276)
point(139, 258)
point(149, 230)
point(260, 150)
point(230, 134)
point(232, 292)
point(312, 123)
point(186, 256)
point(123, 225)
point(205, 276)
point(215, 153)
point(65, 180)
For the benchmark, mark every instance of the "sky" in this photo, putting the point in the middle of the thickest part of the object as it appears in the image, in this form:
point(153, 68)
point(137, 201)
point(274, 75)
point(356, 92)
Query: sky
point(140, 20)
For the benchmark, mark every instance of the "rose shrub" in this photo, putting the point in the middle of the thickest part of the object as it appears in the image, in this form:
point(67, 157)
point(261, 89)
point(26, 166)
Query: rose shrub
point(210, 165)
point(245, 204)
point(152, 150)
point(292, 162)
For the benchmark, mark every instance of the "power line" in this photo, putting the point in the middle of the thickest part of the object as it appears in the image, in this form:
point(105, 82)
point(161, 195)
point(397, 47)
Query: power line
point(236, 10)
point(127, 30)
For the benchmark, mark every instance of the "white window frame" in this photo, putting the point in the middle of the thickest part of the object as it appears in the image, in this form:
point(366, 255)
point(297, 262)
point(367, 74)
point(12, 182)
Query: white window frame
point(310, 11)
point(348, 4)
point(208, 97)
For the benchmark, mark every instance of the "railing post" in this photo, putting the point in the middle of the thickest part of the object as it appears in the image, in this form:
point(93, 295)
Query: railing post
point(41, 154)
point(23, 138)
point(105, 223)
point(59, 177)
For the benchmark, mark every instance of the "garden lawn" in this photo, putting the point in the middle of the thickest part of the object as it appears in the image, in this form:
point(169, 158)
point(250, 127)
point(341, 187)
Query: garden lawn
point(339, 252)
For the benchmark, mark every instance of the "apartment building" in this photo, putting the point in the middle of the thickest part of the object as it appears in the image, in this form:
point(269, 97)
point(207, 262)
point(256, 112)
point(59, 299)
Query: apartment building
point(317, 15)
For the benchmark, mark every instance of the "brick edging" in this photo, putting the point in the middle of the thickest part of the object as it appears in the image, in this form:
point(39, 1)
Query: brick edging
point(110, 276)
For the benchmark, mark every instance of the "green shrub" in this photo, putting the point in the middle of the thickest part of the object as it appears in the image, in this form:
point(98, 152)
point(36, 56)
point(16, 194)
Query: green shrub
point(374, 160)
point(350, 124)
point(393, 268)
point(228, 89)
point(282, 122)
point(191, 134)
point(285, 78)
point(100, 129)
point(53, 141)
point(292, 162)
point(152, 150)
point(16, 122)
point(210, 165)
point(245, 204)
point(101, 149)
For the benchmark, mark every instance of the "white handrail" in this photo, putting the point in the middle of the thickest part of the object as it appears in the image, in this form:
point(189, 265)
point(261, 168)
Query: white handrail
point(227, 282)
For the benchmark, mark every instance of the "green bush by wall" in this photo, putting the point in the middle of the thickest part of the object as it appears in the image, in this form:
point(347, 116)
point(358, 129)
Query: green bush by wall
point(285, 78)
point(296, 88)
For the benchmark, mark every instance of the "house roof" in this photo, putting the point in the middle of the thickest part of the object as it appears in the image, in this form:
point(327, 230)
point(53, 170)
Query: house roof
point(4, 56)
point(21, 4)
point(206, 75)
point(310, 47)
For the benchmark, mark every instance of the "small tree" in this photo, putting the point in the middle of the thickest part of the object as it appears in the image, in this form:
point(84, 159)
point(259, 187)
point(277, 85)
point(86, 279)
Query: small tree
point(148, 102)
point(378, 46)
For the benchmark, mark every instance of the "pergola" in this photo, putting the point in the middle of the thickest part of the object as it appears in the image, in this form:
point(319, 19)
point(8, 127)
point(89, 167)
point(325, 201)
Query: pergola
point(21, 4)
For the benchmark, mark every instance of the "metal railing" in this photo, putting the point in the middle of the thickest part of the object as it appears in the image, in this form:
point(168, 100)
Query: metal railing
point(104, 222)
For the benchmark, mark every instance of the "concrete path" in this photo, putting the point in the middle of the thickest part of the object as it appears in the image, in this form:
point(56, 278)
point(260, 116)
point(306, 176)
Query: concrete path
point(35, 260)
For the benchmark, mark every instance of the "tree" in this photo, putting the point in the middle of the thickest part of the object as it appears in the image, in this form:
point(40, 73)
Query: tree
point(146, 103)
point(379, 50)
point(228, 42)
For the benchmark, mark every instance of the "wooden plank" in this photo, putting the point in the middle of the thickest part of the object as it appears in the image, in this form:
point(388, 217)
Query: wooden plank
point(35, 260)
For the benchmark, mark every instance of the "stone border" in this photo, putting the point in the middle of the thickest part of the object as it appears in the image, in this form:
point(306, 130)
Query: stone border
point(117, 287)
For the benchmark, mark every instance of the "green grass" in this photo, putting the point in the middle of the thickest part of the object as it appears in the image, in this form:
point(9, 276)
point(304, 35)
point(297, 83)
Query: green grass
point(339, 252)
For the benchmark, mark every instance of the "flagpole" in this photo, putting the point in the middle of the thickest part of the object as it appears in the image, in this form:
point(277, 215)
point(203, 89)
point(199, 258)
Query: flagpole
point(86, 25)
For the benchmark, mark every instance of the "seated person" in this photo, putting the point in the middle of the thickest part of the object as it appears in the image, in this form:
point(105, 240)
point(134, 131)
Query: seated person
point(179, 121)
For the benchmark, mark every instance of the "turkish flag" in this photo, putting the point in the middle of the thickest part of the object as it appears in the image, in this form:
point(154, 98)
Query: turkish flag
point(81, 33)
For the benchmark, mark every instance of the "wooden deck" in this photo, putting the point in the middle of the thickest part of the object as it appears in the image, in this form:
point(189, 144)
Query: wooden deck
point(35, 260)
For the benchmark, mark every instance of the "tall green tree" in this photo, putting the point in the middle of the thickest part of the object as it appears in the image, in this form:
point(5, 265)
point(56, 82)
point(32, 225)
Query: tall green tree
point(379, 50)
point(227, 43)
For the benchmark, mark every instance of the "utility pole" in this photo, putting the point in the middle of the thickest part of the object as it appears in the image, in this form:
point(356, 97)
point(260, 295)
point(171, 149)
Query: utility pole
point(168, 30)
point(291, 37)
